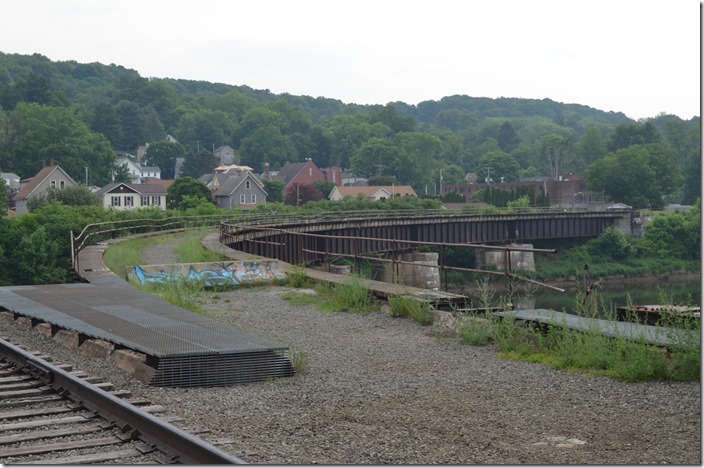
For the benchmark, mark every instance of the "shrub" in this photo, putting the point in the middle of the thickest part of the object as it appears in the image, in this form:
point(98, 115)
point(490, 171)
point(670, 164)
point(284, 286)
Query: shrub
point(404, 306)
point(297, 277)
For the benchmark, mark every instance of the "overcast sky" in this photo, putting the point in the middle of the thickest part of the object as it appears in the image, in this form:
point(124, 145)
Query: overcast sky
point(639, 57)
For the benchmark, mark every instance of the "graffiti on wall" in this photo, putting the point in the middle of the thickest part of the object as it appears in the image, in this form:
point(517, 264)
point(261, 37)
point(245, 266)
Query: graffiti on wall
point(212, 274)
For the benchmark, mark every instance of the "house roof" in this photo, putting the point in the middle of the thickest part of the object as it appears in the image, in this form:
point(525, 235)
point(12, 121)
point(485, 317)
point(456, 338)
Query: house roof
point(142, 189)
point(34, 182)
point(228, 186)
point(371, 190)
point(166, 183)
point(290, 171)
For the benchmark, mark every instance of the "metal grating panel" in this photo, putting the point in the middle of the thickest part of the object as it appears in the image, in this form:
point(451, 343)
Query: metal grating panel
point(188, 349)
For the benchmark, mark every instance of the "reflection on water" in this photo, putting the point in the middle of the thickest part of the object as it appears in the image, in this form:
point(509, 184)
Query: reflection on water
point(613, 296)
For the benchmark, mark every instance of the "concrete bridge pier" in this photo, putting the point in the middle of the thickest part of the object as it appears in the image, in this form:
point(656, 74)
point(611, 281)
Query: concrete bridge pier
point(417, 269)
point(520, 260)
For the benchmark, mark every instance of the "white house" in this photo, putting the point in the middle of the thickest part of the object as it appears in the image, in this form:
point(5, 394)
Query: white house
point(138, 172)
point(122, 196)
point(373, 192)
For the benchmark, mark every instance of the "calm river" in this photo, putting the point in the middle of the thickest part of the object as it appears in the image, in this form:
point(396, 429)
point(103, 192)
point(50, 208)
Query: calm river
point(615, 295)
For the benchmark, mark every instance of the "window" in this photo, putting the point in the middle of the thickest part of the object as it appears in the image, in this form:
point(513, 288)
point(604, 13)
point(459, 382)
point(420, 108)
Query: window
point(53, 184)
point(310, 171)
point(145, 201)
point(247, 185)
point(242, 199)
point(62, 184)
point(253, 199)
point(129, 201)
point(115, 201)
point(156, 200)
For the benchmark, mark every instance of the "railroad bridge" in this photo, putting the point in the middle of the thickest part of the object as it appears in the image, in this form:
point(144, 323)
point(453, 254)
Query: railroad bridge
point(351, 234)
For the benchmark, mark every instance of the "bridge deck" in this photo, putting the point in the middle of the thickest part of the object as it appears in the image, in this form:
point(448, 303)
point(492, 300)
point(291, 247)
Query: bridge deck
point(182, 348)
point(661, 336)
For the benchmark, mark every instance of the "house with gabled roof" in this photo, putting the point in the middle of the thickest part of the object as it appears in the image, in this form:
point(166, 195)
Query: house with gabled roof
point(239, 189)
point(302, 173)
point(373, 192)
point(51, 177)
point(138, 172)
point(123, 196)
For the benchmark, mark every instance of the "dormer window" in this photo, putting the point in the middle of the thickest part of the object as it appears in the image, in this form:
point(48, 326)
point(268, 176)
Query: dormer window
point(248, 185)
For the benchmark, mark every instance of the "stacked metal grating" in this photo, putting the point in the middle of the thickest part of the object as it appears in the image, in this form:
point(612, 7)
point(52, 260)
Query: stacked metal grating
point(222, 369)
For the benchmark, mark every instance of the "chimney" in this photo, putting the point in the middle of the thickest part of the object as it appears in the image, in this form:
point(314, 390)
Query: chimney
point(266, 171)
point(52, 163)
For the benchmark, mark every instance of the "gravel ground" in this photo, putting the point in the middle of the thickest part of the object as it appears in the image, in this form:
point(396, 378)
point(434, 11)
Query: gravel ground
point(383, 390)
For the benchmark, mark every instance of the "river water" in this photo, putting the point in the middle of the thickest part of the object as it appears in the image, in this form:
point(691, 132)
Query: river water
point(610, 294)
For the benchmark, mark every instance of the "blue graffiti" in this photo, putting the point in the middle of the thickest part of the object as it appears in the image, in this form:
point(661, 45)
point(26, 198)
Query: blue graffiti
point(219, 274)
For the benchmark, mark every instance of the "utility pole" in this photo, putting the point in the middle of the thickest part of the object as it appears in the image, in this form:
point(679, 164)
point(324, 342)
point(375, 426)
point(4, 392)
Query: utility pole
point(440, 182)
point(86, 176)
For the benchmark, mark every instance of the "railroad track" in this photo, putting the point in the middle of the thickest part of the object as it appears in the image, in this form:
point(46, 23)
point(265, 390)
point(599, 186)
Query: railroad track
point(50, 414)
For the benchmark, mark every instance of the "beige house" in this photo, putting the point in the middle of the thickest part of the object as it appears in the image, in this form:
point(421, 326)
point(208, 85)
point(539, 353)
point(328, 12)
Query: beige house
point(122, 196)
point(374, 192)
point(51, 177)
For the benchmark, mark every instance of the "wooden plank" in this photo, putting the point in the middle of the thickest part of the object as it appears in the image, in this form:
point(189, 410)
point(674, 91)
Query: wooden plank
point(90, 459)
point(14, 378)
point(27, 413)
point(43, 422)
point(31, 401)
point(42, 434)
point(20, 386)
point(46, 448)
point(24, 393)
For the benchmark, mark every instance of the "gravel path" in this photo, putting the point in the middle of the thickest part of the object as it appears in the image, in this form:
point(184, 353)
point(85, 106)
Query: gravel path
point(383, 390)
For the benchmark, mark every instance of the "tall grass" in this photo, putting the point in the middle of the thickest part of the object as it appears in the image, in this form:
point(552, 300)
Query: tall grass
point(404, 306)
point(184, 293)
point(632, 359)
point(190, 249)
point(127, 253)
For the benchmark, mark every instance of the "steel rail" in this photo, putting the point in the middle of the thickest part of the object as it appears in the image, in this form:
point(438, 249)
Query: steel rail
point(177, 445)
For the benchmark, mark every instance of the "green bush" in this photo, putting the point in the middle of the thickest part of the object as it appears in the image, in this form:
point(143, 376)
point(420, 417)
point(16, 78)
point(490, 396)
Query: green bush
point(476, 331)
point(404, 306)
point(297, 277)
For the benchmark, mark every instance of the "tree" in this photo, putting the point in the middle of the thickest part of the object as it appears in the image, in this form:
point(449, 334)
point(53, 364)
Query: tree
point(163, 154)
point(557, 153)
point(507, 137)
point(4, 198)
point(185, 187)
point(198, 164)
point(589, 149)
point(133, 126)
point(636, 134)
point(453, 174)
point(500, 166)
point(324, 187)
point(274, 191)
point(639, 175)
point(300, 194)
point(36, 257)
point(43, 133)
point(75, 195)
point(267, 144)
point(375, 157)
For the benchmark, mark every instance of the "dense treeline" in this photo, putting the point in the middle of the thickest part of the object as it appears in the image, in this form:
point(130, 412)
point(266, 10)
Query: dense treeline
point(81, 114)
